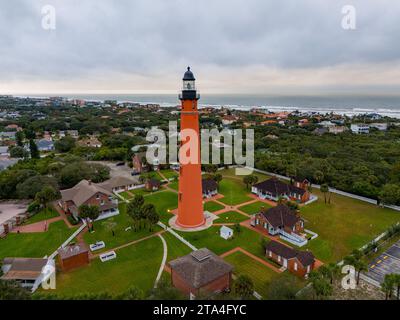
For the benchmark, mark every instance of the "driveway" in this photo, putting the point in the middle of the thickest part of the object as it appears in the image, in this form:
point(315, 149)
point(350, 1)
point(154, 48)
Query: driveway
point(118, 171)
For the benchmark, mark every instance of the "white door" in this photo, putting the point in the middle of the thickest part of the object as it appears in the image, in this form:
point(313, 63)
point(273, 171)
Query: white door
point(285, 262)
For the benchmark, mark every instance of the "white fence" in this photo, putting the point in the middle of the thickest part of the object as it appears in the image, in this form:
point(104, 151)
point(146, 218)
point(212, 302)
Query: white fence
point(66, 242)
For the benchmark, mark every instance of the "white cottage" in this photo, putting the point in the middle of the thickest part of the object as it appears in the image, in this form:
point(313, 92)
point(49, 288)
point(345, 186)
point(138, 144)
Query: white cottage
point(225, 232)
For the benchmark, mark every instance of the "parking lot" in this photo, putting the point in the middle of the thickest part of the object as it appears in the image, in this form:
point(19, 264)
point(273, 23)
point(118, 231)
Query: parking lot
point(386, 263)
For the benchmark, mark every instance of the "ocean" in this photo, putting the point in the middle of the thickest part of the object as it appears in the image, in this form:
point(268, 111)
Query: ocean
point(340, 104)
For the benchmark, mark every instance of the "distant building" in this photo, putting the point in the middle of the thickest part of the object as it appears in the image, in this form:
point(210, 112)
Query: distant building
point(298, 262)
point(360, 128)
point(139, 163)
point(209, 187)
point(379, 126)
point(228, 119)
point(91, 142)
point(119, 184)
point(201, 272)
point(4, 151)
point(45, 145)
point(337, 129)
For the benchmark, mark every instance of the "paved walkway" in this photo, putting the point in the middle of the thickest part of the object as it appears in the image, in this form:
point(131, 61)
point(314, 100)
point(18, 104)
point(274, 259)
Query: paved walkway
point(41, 226)
point(262, 261)
point(164, 260)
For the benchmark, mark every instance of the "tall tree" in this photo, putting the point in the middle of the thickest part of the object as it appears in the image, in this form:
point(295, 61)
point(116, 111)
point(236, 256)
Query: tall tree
point(324, 190)
point(35, 154)
point(89, 213)
point(46, 195)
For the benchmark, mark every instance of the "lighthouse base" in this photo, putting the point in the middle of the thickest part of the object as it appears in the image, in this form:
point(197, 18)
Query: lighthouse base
point(208, 217)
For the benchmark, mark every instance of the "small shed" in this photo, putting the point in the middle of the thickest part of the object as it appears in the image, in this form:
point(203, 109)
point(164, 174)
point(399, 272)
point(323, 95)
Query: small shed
point(225, 232)
point(73, 256)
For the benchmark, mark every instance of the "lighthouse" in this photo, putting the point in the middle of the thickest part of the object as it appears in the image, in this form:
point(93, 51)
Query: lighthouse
point(190, 197)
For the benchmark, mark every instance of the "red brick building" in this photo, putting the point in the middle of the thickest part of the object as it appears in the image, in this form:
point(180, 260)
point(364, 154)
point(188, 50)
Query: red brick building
point(278, 219)
point(201, 272)
point(273, 189)
point(73, 256)
point(298, 262)
point(86, 192)
point(139, 164)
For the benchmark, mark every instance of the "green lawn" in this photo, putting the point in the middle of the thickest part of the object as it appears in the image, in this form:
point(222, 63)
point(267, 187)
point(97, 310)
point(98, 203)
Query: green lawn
point(135, 265)
point(103, 231)
point(212, 206)
point(35, 245)
point(344, 225)
point(176, 248)
point(210, 238)
point(234, 191)
point(44, 214)
point(260, 274)
point(169, 173)
point(126, 195)
point(255, 207)
point(163, 201)
point(174, 185)
point(231, 217)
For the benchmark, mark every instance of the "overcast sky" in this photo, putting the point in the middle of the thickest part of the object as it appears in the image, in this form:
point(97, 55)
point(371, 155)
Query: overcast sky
point(233, 46)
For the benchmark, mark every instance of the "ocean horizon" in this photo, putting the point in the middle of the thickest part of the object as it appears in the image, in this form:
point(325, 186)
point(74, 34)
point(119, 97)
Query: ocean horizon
point(386, 105)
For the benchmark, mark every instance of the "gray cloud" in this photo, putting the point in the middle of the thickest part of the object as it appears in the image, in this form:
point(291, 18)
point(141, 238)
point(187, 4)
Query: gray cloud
point(123, 45)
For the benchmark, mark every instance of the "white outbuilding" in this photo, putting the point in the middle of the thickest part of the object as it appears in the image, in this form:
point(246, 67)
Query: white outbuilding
point(225, 232)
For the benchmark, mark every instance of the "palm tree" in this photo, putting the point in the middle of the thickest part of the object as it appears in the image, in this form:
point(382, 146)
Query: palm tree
point(318, 176)
point(324, 190)
point(387, 285)
point(94, 213)
point(330, 271)
point(396, 278)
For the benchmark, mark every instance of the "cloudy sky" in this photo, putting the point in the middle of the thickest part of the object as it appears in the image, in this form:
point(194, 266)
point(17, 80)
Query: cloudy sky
point(233, 46)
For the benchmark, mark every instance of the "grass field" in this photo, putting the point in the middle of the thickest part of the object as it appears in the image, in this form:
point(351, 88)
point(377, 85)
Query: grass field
point(212, 206)
point(135, 265)
point(103, 231)
point(344, 225)
point(234, 191)
point(176, 248)
point(255, 207)
point(35, 245)
point(163, 201)
point(169, 173)
point(260, 274)
point(44, 214)
point(174, 185)
point(210, 238)
point(231, 217)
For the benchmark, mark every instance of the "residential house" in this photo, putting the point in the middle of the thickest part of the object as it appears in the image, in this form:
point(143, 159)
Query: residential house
point(139, 163)
point(228, 119)
point(14, 127)
point(209, 187)
point(27, 272)
point(337, 129)
point(91, 142)
point(301, 183)
point(86, 192)
point(5, 162)
point(201, 272)
point(119, 184)
point(45, 145)
point(298, 262)
point(273, 189)
point(225, 232)
point(4, 152)
point(7, 135)
point(379, 126)
point(152, 184)
point(303, 122)
point(360, 128)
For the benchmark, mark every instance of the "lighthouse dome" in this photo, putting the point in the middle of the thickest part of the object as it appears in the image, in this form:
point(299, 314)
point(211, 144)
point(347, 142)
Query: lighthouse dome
point(188, 76)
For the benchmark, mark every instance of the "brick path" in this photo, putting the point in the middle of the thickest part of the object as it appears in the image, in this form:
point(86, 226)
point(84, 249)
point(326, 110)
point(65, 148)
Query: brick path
point(41, 226)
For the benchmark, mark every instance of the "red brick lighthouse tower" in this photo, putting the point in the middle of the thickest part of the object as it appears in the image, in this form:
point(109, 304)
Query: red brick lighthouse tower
point(190, 198)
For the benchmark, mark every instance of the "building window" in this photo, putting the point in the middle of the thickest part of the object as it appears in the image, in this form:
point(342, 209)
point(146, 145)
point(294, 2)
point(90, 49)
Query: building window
point(295, 266)
point(279, 258)
point(97, 196)
point(270, 254)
